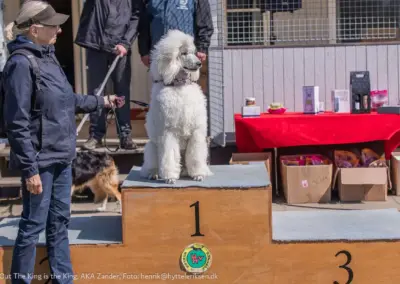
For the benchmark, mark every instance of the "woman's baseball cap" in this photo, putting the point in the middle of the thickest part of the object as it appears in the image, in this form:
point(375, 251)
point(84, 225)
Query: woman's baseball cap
point(47, 17)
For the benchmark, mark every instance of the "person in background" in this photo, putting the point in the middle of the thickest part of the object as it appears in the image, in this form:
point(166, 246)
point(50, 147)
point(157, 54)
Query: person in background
point(192, 17)
point(108, 28)
point(39, 116)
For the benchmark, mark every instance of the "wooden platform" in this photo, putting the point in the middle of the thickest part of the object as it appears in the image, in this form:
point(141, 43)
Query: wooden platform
point(230, 214)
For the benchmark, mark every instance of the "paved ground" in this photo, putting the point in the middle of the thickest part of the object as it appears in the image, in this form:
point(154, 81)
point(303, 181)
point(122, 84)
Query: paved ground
point(84, 206)
point(392, 202)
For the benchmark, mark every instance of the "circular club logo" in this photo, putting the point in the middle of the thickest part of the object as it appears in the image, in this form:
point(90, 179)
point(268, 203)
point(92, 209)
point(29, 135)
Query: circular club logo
point(196, 258)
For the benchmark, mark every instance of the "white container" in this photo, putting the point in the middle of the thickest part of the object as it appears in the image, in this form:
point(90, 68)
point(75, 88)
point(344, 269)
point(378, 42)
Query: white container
point(341, 101)
point(251, 111)
point(321, 107)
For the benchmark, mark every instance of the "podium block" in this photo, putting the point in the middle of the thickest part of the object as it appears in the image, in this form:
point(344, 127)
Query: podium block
point(228, 213)
point(222, 230)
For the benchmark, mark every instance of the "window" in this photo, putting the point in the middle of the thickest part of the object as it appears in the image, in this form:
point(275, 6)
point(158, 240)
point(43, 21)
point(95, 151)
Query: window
point(310, 22)
point(244, 24)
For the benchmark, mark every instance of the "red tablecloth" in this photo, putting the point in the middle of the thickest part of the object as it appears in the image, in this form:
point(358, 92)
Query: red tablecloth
point(297, 129)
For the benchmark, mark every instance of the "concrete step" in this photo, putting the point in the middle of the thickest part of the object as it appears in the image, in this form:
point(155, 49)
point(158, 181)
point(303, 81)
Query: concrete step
point(10, 182)
point(16, 181)
point(114, 141)
point(112, 150)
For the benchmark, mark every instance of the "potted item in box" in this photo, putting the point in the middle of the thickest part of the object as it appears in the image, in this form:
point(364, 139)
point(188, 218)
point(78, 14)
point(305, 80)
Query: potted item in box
point(361, 177)
point(306, 178)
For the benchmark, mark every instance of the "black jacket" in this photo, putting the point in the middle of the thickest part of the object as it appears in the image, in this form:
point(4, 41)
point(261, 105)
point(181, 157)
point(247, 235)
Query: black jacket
point(203, 27)
point(45, 134)
point(106, 23)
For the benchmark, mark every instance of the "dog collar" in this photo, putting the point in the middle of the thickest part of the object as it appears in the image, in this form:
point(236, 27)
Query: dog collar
point(177, 82)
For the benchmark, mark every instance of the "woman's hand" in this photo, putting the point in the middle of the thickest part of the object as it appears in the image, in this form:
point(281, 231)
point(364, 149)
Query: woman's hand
point(202, 56)
point(121, 50)
point(34, 184)
point(146, 60)
point(114, 101)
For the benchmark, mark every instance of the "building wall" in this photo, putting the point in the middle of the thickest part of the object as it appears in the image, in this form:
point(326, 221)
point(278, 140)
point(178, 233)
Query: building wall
point(10, 10)
point(278, 74)
point(141, 83)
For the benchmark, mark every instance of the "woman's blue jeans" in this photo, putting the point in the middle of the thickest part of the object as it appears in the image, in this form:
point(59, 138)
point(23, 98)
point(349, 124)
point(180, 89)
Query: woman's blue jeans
point(49, 210)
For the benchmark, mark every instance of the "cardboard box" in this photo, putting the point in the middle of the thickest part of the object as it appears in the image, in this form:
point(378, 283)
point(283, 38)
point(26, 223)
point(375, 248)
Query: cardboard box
point(363, 184)
point(395, 171)
point(307, 184)
point(341, 101)
point(246, 158)
point(311, 99)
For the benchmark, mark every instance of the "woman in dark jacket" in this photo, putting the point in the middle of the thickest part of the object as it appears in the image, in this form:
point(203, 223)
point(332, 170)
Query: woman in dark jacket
point(41, 129)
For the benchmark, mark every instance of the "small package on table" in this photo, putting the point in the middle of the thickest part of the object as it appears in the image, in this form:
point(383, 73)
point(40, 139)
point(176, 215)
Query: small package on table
point(341, 101)
point(251, 109)
point(306, 178)
point(311, 99)
point(361, 177)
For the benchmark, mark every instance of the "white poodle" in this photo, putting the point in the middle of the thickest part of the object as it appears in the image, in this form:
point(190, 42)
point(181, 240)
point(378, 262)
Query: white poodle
point(177, 119)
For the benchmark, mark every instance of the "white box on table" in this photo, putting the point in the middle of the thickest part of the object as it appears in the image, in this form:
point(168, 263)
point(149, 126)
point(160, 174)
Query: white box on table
point(251, 111)
point(311, 99)
point(341, 101)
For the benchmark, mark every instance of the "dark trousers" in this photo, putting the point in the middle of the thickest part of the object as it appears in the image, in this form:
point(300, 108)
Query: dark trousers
point(49, 210)
point(98, 65)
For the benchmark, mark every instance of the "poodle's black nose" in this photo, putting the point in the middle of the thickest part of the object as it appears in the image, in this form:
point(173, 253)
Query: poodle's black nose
point(198, 64)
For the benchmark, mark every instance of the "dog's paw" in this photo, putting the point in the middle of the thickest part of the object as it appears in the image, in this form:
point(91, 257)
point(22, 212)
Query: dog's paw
point(170, 181)
point(153, 177)
point(198, 178)
point(101, 209)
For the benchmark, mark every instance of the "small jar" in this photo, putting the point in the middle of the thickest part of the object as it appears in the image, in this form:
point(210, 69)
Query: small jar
point(250, 101)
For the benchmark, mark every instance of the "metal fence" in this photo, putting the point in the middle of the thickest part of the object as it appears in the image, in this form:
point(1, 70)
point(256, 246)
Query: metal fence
point(215, 75)
point(309, 22)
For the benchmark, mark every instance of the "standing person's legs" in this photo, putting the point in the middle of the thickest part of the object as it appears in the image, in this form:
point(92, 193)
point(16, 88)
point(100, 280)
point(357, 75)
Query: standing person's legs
point(122, 87)
point(58, 218)
point(97, 63)
point(32, 223)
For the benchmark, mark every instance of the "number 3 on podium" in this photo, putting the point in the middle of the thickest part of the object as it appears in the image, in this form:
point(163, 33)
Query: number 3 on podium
point(345, 266)
point(197, 219)
point(196, 206)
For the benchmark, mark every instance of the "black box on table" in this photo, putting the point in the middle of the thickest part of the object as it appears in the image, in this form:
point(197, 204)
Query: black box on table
point(360, 92)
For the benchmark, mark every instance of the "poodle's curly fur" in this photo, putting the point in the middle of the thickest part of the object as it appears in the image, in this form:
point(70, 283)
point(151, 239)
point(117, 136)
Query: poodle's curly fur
point(176, 123)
